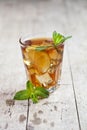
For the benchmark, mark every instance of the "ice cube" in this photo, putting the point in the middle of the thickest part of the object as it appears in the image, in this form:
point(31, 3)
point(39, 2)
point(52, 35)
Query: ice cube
point(52, 69)
point(42, 61)
point(53, 62)
point(39, 59)
point(44, 79)
point(32, 47)
point(47, 43)
point(53, 54)
point(28, 58)
point(33, 71)
point(29, 55)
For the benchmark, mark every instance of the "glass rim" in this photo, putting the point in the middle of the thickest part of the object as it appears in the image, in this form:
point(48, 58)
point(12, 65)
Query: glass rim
point(21, 41)
point(36, 46)
point(34, 35)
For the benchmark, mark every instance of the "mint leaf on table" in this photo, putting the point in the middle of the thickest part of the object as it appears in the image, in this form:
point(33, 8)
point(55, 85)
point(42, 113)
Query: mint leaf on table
point(21, 95)
point(31, 92)
point(40, 91)
point(29, 86)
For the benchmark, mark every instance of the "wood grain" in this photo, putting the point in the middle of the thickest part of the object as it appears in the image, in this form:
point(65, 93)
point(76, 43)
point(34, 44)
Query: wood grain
point(66, 107)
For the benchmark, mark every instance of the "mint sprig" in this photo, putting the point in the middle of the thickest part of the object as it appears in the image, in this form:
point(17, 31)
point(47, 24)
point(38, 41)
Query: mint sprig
point(41, 48)
point(21, 95)
point(59, 38)
point(31, 92)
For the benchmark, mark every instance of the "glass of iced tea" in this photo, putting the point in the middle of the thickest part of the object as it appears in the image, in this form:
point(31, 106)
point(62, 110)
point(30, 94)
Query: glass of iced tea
point(42, 61)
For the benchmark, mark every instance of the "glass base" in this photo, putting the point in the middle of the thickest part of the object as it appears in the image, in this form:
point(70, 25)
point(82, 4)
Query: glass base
point(53, 88)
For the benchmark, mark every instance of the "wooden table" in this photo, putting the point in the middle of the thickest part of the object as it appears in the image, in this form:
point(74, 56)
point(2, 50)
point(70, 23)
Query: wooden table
point(66, 108)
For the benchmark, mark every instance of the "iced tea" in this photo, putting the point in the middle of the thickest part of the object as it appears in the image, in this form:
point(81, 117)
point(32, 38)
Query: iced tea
point(43, 67)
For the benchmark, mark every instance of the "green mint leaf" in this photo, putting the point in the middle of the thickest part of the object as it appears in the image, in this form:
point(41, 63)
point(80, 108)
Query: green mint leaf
point(31, 92)
point(34, 98)
point(41, 48)
point(29, 86)
point(65, 38)
point(55, 35)
point(41, 92)
point(22, 95)
point(58, 38)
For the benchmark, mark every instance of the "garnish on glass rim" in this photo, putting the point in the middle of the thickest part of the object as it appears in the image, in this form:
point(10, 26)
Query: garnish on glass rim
point(31, 92)
point(57, 40)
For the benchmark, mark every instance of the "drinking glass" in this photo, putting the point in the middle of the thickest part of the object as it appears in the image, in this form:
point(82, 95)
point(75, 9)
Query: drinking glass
point(42, 60)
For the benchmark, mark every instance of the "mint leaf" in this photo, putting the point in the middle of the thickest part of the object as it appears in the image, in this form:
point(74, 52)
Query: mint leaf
point(41, 48)
point(22, 95)
point(34, 98)
point(65, 38)
point(41, 92)
point(55, 35)
point(29, 86)
point(31, 92)
point(59, 38)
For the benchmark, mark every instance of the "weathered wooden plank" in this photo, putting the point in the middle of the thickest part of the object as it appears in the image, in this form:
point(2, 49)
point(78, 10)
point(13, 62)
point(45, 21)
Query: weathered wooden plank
point(12, 72)
point(65, 75)
point(77, 57)
point(78, 69)
point(55, 112)
point(52, 15)
point(12, 114)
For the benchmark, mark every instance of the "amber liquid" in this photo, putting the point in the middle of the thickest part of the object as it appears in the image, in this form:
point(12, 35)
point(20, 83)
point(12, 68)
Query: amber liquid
point(43, 67)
